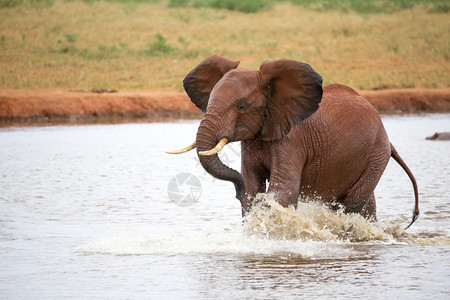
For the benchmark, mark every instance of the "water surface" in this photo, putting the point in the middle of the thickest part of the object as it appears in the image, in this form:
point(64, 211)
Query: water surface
point(85, 211)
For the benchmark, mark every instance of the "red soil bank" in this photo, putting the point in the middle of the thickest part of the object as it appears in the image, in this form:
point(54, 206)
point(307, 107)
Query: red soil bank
point(54, 106)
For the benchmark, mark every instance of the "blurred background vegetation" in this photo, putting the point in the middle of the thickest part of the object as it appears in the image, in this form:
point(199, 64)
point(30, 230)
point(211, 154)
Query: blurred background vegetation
point(152, 45)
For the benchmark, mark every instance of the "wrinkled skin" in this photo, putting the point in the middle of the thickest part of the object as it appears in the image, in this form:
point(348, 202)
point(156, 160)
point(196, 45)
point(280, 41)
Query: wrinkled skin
point(337, 152)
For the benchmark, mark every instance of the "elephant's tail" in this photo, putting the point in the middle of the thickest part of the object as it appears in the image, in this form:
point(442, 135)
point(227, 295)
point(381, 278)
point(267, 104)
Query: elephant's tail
point(400, 161)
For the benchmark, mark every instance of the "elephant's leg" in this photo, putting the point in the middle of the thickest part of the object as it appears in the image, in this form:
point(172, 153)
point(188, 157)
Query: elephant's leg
point(361, 198)
point(286, 187)
point(371, 208)
point(285, 177)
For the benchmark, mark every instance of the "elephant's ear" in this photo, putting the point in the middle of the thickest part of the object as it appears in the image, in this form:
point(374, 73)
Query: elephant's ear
point(294, 93)
point(199, 83)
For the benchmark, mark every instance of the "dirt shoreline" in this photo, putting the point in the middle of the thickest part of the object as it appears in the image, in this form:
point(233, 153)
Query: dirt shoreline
point(28, 107)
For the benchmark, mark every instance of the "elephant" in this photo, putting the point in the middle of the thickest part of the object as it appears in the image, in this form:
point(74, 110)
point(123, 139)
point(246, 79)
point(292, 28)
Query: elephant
point(439, 136)
point(300, 137)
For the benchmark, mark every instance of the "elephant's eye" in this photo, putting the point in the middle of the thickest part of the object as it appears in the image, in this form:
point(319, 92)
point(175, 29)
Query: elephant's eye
point(242, 105)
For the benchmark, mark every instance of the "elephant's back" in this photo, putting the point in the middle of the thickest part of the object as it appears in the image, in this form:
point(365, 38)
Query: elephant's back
point(343, 134)
point(342, 115)
point(345, 115)
point(340, 102)
point(339, 89)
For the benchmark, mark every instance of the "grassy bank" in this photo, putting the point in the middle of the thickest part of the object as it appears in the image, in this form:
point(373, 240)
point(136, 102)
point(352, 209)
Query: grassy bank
point(132, 45)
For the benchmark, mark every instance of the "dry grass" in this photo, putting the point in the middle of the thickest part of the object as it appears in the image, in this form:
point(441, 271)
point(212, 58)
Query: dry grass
point(152, 46)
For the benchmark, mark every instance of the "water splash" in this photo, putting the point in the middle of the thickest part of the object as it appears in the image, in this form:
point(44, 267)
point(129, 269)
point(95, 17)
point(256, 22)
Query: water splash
point(314, 220)
point(422, 239)
point(313, 231)
point(214, 242)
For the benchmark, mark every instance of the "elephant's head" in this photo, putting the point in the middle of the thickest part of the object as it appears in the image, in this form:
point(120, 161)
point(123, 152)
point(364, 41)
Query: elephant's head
point(241, 104)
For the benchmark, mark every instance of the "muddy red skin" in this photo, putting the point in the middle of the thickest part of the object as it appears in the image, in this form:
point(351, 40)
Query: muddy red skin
point(305, 140)
point(339, 153)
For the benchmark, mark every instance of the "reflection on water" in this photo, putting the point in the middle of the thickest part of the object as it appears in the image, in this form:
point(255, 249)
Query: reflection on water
point(85, 211)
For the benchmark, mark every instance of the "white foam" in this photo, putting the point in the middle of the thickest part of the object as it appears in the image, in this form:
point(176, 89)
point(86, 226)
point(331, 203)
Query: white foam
point(311, 231)
point(312, 220)
point(213, 242)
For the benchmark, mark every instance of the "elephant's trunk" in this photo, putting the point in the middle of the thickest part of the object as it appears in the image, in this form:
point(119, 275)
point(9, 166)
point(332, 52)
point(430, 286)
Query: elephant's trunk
point(207, 139)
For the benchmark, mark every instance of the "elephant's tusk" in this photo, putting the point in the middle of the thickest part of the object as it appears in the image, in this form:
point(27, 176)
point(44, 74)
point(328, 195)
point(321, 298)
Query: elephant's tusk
point(216, 149)
point(183, 150)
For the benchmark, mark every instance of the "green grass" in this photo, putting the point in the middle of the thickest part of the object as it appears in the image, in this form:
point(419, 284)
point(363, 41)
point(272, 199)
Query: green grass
point(374, 6)
point(27, 3)
point(126, 44)
point(359, 6)
point(251, 6)
point(159, 46)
